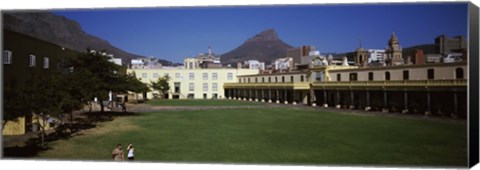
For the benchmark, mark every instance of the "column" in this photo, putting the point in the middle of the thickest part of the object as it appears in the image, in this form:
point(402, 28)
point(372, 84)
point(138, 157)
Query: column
point(352, 103)
point(293, 97)
point(367, 106)
point(250, 95)
point(312, 98)
point(337, 100)
point(263, 95)
point(427, 112)
point(256, 95)
point(455, 102)
point(325, 103)
point(385, 101)
point(405, 102)
point(269, 95)
point(278, 101)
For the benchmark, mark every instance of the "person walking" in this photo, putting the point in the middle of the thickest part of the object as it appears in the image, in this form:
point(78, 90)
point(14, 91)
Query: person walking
point(130, 151)
point(117, 153)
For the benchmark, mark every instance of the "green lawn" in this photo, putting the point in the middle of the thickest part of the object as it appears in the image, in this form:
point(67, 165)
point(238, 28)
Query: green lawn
point(272, 136)
point(201, 102)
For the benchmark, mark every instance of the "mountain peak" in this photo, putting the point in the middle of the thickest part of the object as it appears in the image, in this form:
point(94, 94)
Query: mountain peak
point(266, 35)
point(265, 46)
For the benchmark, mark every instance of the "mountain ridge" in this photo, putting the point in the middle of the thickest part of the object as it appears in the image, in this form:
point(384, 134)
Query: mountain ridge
point(62, 31)
point(265, 46)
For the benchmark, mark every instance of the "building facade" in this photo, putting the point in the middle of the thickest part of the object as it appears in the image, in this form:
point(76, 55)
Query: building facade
point(439, 88)
point(192, 83)
point(23, 57)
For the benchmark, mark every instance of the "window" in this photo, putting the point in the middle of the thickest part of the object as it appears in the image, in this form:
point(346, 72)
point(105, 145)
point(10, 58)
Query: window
point(291, 78)
point(144, 75)
point(7, 57)
point(205, 76)
point(302, 78)
point(339, 77)
point(32, 61)
point(283, 79)
point(387, 75)
point(256, 80)
point(177, 87)
point(191, 76)
point(214, 86)
point(263, 79)
point(214, 76)
point(269, 79)
point(276, 79)
point(155, 75)
point(177, 75)
point(405, 75)
point(45, 62)
point(430, 74)
point(249, 80)
point(229, 76)
point(191, 87)
point(205, 86)
point(370, 76)
point(190, 65)
point(459, 73)
point(240, 80)
point(353, 76)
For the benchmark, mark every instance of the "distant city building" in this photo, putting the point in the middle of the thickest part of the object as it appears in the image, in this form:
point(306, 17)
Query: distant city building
point(300, 53)
point(283, 64)
point(376, 56)
point(112, 59)
point(418, 57)
point(394, 51)
point(254, 64)
point(209, 60)
point(145, 63)
point(445, 45)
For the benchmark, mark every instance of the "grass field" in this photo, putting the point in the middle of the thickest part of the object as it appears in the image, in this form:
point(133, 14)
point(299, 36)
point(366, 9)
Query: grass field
point(272, 136)
point(199, 102)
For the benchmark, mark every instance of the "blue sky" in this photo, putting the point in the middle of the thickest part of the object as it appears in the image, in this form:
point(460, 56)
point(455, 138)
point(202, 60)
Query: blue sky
point(176, 33)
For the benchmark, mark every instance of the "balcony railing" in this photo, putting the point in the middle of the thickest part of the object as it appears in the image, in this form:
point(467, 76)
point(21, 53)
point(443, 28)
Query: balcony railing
point(460, 82)
point(306, 85)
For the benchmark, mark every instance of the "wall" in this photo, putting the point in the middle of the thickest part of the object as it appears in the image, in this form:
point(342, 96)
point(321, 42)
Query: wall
point(198, 81)
point(416, 72)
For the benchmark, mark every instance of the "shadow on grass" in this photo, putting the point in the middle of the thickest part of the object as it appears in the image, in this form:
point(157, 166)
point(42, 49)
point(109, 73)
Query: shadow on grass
point(33, 146)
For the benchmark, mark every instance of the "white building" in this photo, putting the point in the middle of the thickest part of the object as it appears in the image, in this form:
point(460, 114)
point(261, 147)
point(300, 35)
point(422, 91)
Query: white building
point(145, 63)
point(192, 83)
point(112, 59)
point(376, 55)
point(254, 64)
point(283, 64)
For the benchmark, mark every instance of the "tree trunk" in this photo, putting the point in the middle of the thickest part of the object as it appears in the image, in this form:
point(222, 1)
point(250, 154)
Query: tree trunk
point(90, 107)
point(101, 106)
point(42, 128)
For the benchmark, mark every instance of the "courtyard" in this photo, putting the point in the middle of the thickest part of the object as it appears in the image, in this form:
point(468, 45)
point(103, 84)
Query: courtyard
point(242, 132)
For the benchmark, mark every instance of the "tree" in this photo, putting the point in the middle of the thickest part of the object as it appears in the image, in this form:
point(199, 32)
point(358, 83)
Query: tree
point(161, 84)
point(14, 101)
point(98, 74)
point(44, 95)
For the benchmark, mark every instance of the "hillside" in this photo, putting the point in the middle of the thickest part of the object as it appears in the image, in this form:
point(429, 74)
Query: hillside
point(62, 31)
point(265, 46)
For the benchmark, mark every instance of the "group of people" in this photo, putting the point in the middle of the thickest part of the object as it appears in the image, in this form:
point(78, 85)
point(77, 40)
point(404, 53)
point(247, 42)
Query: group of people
point(118, 155)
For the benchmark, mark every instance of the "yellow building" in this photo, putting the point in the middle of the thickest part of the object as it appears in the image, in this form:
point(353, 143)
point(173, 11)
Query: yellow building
point(191, 83)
